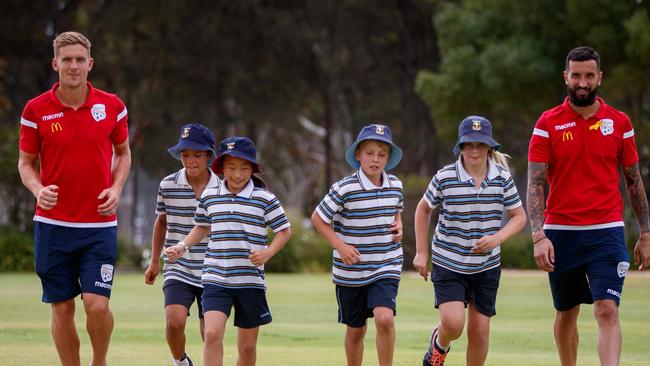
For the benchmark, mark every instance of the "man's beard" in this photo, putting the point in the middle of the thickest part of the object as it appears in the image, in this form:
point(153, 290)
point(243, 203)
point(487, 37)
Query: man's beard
point(583, 101)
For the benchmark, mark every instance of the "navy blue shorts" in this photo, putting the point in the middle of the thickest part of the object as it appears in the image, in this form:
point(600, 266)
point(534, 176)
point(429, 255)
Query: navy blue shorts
point(71, 260)
point(590, 265)
point(251, 309)
point(181, 293)
point(478, 288)
point(357, 303)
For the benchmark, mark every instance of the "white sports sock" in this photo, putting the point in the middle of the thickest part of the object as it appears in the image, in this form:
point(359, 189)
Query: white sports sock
point(444, 349)
point(181, 363)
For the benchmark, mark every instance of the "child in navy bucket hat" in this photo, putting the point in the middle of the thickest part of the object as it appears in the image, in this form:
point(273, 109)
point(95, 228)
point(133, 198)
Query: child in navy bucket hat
point(176, 203)
point(361, 218)
point(235, 217)
point(471, 196)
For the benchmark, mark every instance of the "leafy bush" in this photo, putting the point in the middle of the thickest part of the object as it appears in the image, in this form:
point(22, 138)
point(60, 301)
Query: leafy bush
point(17, 250)
point(517, 252)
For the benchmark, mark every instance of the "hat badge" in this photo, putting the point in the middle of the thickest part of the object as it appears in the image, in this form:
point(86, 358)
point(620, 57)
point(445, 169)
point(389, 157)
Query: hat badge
point(186, 132)
point(230, 145)
point(476, 125)
point(379, 130)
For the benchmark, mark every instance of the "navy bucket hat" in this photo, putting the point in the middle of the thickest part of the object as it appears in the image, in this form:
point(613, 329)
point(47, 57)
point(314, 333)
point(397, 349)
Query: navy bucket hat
point(238, 147)
point(194, 137)
point(379, 133)
point(475, 129)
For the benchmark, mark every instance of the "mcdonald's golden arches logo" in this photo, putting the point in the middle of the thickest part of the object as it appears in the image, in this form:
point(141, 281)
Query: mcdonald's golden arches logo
point(566, 136)
point(56, 127)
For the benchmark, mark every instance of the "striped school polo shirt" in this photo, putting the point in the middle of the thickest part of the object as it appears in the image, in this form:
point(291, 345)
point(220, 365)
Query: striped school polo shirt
point(467, 214)
point(361, 215)
point(238, 224)
point(176, 200)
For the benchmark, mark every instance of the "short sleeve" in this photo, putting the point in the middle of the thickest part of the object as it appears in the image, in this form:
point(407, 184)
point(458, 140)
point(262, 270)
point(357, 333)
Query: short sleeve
point(540, 143)
point(331, 204)
point(629, 154)
point(161, 208)
point(30, 139)
point(201, 216)
point(433, 195)
point(120, 132)
point(511, 199)
point(274, 215)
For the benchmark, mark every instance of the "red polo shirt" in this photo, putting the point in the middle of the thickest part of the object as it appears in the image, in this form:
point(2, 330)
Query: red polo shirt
point(75, 150)
point(583, 159)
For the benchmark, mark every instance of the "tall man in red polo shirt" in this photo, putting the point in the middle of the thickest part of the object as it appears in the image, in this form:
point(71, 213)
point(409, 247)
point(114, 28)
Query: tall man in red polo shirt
point(579, 240)
point(79, 136)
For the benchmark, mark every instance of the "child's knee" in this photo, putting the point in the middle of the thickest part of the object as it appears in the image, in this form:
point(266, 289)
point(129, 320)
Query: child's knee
point(355, 335)
point(213, 336)
point(384, 320)
point(453, 326)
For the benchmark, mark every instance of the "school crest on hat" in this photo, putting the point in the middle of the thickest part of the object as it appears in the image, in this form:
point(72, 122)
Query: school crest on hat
point(186, 132)
point(476, 125)
point(98, 112)
point(230, 145)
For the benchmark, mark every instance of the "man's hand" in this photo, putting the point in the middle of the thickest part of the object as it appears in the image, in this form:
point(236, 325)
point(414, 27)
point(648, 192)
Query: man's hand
point(397, 229)
point(421, 265)
point(487, 243)
point(348, 253)
point(47, 197)
point(544, 255)
point(112, 197)
point(260, 257)
point(152, 272)
point(642, 251)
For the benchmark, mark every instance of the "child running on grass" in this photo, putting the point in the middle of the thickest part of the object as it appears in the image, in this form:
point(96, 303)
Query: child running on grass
point(236, 216)
point(471, 196)
point(178, 196)
point(360, 217)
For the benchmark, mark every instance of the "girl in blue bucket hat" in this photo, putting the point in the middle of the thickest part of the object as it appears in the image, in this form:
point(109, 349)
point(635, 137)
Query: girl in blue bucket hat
point(471, 196)
point(178, 197)
point(361, 218)
point(235, 217)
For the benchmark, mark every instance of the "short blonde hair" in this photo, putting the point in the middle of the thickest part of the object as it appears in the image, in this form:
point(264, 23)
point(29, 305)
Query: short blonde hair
point(69, 39)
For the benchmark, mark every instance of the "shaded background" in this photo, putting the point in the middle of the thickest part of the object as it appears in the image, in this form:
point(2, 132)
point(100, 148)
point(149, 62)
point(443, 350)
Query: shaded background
point(301, 77)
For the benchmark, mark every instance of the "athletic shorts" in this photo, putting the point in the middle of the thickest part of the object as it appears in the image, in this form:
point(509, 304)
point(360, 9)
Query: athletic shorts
point(590, 265)
point(71, 260)
point(251, 309)
point(356, 304)
point(478, 288)
point(182, 293)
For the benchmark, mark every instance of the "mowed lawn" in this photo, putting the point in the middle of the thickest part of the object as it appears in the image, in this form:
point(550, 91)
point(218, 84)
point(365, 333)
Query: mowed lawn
point(305, 332)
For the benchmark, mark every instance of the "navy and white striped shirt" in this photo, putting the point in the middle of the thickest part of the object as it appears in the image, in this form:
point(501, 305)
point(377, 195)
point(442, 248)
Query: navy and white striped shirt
point(177, 201)
point(238, 224)
point(467, 214)
point(361, 215)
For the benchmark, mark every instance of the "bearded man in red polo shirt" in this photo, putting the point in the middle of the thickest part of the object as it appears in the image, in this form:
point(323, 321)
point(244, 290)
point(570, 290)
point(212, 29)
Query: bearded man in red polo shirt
point(579, 237)
point(78, 136)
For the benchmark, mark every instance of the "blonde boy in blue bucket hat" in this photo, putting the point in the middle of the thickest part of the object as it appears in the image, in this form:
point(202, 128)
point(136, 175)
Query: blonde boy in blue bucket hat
point(360, 217)
point(178, 197)
point(471, 196)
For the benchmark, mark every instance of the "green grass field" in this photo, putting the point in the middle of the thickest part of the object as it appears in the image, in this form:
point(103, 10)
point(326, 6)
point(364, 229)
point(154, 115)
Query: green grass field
point(304, 330)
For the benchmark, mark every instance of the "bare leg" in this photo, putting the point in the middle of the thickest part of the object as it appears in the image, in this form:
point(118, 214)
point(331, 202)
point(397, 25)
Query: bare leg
point(385, 342)
point(609, 332)
point(247, 346)
point(566, 335)
point(452, 321)
point(175, 329)
point(354, 345)
point(99, 324)
point(478, 336)
point(215, 326)
point(64, 332)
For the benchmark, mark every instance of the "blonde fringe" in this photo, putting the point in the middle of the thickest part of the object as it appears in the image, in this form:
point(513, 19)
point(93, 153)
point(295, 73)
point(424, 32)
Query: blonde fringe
point(499, 158)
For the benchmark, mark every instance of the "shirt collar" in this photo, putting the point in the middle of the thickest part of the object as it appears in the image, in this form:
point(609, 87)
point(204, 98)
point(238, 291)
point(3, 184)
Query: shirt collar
point(247, 192)
point(89, 99)
point(213, 182)
point(463, 176)
point(367, 185)
point(600, 113)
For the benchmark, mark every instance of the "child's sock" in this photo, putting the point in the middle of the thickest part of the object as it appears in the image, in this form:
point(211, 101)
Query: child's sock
point(441, 348)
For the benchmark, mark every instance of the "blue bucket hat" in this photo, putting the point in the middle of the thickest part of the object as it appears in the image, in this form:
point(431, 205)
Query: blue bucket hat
point(194, 137)
point(239, 147)
point(379, 133)
point(475, 129)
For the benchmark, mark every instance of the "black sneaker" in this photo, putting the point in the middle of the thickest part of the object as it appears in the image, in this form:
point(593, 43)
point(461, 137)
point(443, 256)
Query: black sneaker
point(434, 355)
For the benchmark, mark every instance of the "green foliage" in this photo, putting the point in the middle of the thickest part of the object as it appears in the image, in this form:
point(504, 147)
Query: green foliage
point(517, 252)
point(129, 255)
point(17, 250)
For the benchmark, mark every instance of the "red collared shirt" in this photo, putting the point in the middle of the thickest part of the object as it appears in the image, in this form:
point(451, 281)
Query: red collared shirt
point(583, 159)
point(75, 151)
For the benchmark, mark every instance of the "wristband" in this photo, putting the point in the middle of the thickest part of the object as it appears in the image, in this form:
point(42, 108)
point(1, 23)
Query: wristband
point(184, 245)
point(538, 240)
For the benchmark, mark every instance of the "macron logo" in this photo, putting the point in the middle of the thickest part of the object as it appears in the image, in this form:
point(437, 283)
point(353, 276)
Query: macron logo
point(103, 285)
point(565, 126)
point(615, 293)
point(52, 116)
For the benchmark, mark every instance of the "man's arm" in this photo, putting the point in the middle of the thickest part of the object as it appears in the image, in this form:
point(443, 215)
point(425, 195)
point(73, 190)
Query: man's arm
point(543, 248)
point(639, 203)
point(120, 171)
point(46, 197)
